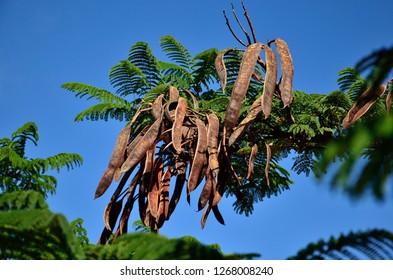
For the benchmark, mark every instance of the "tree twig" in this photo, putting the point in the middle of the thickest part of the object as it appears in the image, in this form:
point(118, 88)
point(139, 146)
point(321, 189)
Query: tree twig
point(249, 23)
point(233, 33)
point(241, 26)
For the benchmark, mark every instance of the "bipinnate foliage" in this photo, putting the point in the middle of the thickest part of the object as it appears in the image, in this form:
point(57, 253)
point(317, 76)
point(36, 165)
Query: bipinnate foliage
point(18, 172)
point(372, 244)
point(29, 230)
point(226, 127)
point(366, 147)
point(171, 111)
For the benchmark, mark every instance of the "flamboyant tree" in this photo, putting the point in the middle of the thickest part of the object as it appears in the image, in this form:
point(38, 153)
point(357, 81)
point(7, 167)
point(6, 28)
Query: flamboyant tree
point(220, 121)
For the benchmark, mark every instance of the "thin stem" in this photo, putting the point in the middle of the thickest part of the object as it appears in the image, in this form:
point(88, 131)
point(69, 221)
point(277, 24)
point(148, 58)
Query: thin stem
point(249, 23)
point(233, 33)
point(241, 26)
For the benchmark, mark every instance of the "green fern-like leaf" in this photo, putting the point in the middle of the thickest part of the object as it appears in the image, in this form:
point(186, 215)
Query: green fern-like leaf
point(128, 79)
point(373, 244)
point(142, 57)
point(106, 111)
point(83, 90)
point(204, 72)
point(380, 62)
point(175, 75)
point(28, 230)
point(176, 52)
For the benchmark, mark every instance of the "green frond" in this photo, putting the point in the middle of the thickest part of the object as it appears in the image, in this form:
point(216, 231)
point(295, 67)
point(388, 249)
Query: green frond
point(380, 62)
point(372, 244)
point(153, 93)
point(128, 79)
point(58, 161)
point(346, 77)
point(204, 72)
point(25, 219)
point(176, 52)
point(80, 232)
point(302, 129)
point(106, 111)
point(175, 75)
point(304, 163)
point(142, 246)
point(84, 90)
point(22, 201)
point(142, 57)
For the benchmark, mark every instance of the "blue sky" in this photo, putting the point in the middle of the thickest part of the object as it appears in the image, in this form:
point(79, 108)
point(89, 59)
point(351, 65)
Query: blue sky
point(47, 43)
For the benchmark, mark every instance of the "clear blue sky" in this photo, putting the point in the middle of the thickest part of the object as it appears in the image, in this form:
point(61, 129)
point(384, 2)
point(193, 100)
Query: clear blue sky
point(47, 43)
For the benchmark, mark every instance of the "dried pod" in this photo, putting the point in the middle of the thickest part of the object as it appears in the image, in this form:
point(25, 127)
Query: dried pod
point(286, 64)
point(194, 100)
point(153, 192)
point(238, 132)
point(268, 158)
point(205, 215)
point(200, 156)
point(115, 161)
point(137, 139)
point(207, 190)
point(363, 104)
point(180, 180)
point(144, 144)
point(111, 213)
point(218, 215)
point(163, 197)
point(253, 154)
point(173, 94)
point(269, 86)
point(212, 142)
point(170, 110)
point(221, 69)
point(219, 188)
point(156, 109)
point(242, 82)
point(180, 114)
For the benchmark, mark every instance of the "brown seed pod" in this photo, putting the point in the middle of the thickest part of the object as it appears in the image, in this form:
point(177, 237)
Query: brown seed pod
point(253, 154)
point(147, 170)
point(287, 70)
point(205, 215)
point(178, 124)
point(153, 192)
point(238, 132)
point(194, 100)
point(111, 213)
point(137, 139)
point(221, 69)
point(180, 180)
point(200, 156)
point(242, 82)
point(173, 94)
point(163, 197)
point(219, 187)
point(218, 215)
point(212, 142)
point(144, 144)
point(156, 109)
point(363, 104)
point(123, 224)
point(269, 86)
point(268, 158)
point(207, 191)
point(115, 161)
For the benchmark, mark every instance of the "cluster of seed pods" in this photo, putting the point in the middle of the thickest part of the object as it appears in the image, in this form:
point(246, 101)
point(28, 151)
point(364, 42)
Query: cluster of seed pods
point(197, 144)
